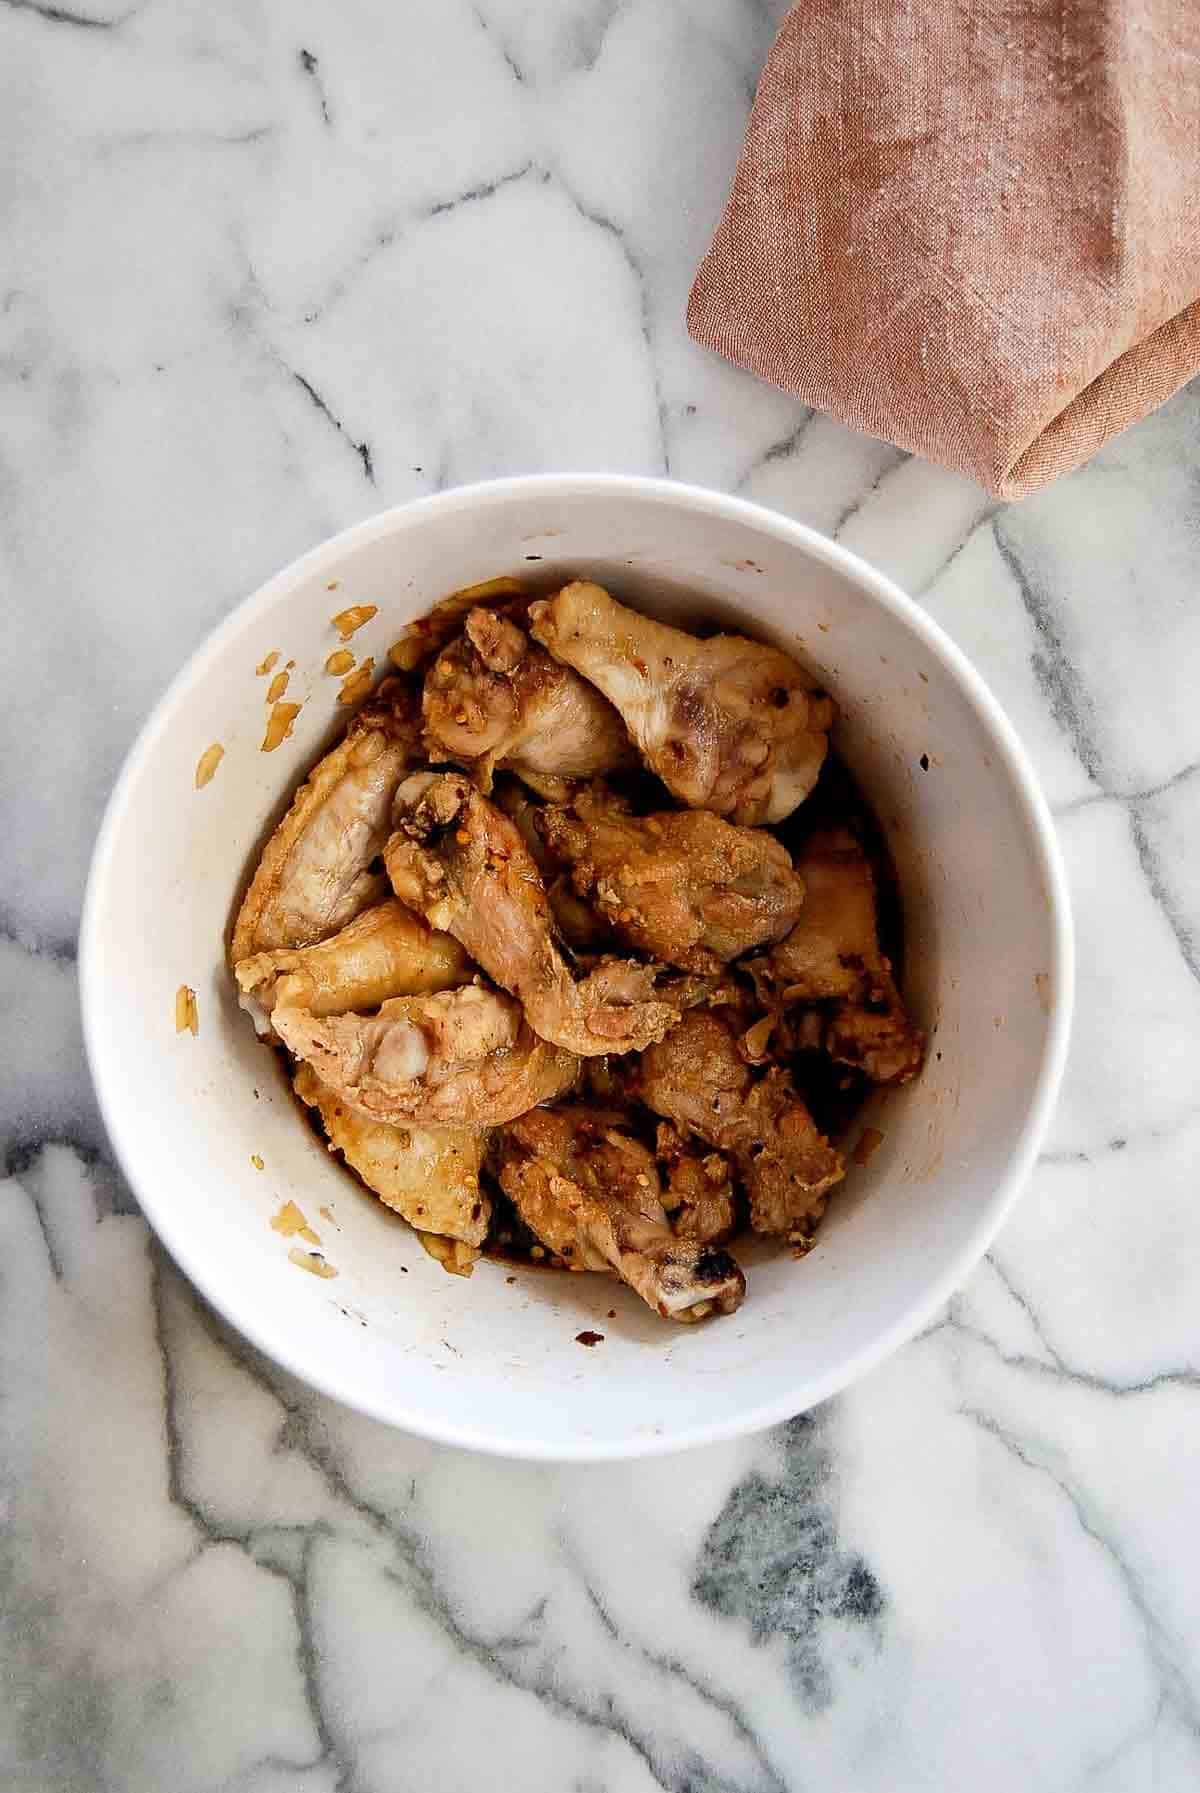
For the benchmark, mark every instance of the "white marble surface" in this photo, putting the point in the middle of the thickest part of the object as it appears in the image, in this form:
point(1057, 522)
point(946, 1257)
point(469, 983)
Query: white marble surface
point(265, 268)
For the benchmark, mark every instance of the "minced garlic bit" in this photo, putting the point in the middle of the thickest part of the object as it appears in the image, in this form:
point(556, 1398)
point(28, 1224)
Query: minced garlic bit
point(279, 726)
point(869, 1143)
point(454, 1255)
point(277, 687)
point(470, 595)
point(256, 1161)
point(757, 1038)
point(290, 1221)
point(339, 662)
point(187, 1016)
point(356, 684)
point(346, 621)
point(407, 653)
point(207, 764)
point(264, 666)
point(312, 1261)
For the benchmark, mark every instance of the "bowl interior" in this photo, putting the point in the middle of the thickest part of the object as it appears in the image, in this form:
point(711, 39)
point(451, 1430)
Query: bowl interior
point(491, 1361)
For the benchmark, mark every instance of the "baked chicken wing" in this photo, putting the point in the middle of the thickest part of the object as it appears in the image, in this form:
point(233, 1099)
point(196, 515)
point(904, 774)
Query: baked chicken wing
point(461, 864)
point(698, 1079)
point(459, 1058)
point(494, 698)
point(430, 1175)
point(579, 925)
point(727, 724)
point(833, 954)
point(315, 873)
point(384, 952)
point(699, 1188)
point(685, 886)
point(590, 1192)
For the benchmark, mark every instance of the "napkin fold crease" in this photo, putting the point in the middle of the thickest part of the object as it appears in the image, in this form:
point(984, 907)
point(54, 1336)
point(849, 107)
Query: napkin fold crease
point(971, 228)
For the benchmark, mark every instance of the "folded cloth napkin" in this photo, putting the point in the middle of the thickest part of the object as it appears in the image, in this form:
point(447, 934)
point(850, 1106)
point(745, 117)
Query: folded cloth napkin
point(969, 226)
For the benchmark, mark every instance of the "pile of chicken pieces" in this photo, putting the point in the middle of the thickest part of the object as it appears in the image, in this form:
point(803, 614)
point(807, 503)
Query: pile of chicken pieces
point(490, 968)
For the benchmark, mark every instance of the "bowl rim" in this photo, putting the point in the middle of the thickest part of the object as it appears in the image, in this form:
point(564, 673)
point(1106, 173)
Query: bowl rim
point(274, 1341)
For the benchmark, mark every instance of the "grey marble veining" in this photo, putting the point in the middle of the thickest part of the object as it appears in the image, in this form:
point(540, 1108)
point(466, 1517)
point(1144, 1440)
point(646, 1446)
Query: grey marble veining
point(265, 269)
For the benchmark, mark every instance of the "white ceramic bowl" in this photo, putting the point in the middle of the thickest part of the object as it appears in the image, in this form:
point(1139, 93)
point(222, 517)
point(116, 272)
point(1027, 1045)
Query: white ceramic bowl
point(494, 1364)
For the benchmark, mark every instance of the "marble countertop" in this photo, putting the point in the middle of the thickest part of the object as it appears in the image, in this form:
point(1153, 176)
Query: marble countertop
point(265, 269)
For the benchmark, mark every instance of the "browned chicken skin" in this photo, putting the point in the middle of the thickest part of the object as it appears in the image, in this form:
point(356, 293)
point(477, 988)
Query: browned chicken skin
point(462, 864)
point(590, 1192)
point(727, 724)
point(579, 924)
point(430, 1175)
point(833, 953)
point(683, 886)
point(698, 1078)
point(699, 1192)
point(460, 1058)
point(494, 698)
point(386, 951)
point(834, 941)
point(875, 1035)
point(314, 875)
point(425, 636)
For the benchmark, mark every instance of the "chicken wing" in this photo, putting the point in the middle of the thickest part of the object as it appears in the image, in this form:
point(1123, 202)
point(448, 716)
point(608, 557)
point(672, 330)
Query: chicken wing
point(727, 724)
point(590, 1192)
point(699, 1193)
point(460, 1058)
point(424, 637)
point(461, 864)
point(684, 886)
point(494, 698)
point(386, 951)
point(698, 1079)
point(834, 941)
point(875, 1035)
point(579, 925)
point(833, 953)
point(430, 1175)
point(314, 875)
